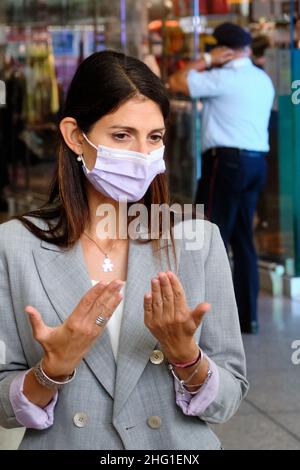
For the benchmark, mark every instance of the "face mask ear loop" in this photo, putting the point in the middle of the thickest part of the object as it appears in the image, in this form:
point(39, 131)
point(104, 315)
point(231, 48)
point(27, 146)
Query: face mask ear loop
point(82, 158)
point(93, 145)
point(83, 163)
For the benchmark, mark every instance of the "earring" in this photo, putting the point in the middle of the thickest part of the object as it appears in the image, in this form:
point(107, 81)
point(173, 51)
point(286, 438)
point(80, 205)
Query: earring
point(79, 158)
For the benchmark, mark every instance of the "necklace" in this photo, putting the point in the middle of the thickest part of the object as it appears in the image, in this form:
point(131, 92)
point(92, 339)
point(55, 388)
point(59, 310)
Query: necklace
point(107, 264)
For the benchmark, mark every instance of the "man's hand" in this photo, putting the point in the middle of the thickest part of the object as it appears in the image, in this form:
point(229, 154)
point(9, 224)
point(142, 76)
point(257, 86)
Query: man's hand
point(221, 55)
point(178, 81)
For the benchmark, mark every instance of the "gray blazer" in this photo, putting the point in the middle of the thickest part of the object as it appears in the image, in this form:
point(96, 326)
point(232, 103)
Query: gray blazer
point(118, 401)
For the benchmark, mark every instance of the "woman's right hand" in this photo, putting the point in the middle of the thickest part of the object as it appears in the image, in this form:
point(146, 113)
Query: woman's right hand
point(66, 344)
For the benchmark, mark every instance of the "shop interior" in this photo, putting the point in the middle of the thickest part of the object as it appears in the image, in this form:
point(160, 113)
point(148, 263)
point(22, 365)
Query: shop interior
point(42, 42)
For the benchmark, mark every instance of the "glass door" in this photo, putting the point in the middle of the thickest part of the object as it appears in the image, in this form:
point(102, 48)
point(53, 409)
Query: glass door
point(41, 45)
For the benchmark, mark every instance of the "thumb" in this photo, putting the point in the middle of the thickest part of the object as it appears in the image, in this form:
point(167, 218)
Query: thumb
point(199, 312)
point(37, 324)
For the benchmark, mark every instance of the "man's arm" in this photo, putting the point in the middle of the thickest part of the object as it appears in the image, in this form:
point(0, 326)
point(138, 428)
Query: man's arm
point(178, 81)
point(218, 56)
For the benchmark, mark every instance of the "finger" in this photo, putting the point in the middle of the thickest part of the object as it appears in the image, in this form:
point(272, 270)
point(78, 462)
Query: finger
point(228, 53)
point(87, 301)
point(226, 49)
point(178, 293)
point(39, 328)
point(167, 296)
point(107, 301)
point(157, 302)
point(147, 309)
point(199, 312)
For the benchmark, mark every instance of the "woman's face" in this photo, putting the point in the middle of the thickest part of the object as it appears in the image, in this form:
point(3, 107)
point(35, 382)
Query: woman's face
point(138, 125)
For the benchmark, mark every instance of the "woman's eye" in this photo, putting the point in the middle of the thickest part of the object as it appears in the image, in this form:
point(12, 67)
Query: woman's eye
point(156, 138)
point(123, 136)
point(120, 136)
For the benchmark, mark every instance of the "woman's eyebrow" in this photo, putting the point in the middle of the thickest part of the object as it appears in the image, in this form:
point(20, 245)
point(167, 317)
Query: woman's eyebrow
point(136, 130)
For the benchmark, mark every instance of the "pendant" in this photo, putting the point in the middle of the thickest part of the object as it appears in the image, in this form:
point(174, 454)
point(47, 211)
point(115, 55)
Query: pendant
point(107, 265)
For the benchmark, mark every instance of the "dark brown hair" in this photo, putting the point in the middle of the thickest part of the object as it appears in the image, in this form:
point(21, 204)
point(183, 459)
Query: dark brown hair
point(102, 82)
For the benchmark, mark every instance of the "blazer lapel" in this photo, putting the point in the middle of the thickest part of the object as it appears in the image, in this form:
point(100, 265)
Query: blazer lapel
point(136, 342)
point(65, 279)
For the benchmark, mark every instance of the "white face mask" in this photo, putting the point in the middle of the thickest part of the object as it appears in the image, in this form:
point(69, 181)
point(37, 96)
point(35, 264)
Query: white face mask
point(124, 174)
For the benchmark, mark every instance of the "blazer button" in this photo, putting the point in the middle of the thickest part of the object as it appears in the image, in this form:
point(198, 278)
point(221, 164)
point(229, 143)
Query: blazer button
point(154, 422)
point(80, 420)
point(157, 357)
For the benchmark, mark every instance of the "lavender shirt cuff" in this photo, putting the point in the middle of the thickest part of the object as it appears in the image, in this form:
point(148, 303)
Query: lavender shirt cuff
point(195, 405)
point(28, 414)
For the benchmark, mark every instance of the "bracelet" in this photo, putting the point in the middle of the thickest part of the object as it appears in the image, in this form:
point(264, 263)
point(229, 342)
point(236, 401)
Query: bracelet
point(184, 383)
point(183, 365)
point(208, 376)
point(44, 380)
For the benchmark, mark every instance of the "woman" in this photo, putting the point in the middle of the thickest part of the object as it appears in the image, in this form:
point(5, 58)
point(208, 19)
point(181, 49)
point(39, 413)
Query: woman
point(160, 369)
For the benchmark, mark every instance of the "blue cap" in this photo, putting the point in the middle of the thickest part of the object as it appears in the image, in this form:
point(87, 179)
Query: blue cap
point(233, 36)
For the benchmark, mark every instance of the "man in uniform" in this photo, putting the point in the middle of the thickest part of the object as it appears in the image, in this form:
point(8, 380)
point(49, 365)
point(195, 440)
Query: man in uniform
point(237, 99)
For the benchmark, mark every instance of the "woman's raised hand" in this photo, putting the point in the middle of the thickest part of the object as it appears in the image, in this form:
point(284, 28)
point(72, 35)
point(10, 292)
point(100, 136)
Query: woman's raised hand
point(169, 318)
point(66, 344)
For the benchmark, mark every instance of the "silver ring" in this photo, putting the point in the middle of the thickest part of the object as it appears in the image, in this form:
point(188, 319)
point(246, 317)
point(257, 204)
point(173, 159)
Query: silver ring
point(100, 321)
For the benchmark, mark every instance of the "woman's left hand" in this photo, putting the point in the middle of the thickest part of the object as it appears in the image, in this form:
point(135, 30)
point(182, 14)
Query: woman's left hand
point(169, 318)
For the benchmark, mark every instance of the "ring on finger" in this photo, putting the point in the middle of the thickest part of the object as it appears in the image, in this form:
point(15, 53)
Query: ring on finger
point(101, 320)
